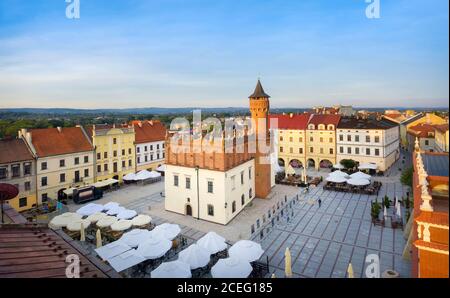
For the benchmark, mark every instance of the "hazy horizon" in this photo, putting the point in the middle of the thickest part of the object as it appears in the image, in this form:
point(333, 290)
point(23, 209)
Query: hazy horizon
point(173, 53)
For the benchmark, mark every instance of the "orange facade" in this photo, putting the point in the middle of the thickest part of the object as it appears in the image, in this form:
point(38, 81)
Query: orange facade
point(430, 227)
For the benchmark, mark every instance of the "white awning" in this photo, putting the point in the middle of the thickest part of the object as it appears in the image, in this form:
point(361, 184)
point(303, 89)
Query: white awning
point(358, 182)
point(129, 177)
point(161, 168)
point(175, 269)
point(105, 183)
point(69, 191)
point(126, 260)
point(336, 179)
point(112, 249)
point(368, 166)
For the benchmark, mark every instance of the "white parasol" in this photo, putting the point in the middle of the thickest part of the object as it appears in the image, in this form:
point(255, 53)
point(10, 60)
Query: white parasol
point(231, 267)
point(126, 214)
point(154, 246)
point(196, 256)
point(247, 250)
point(358, 182)
point(360, 175)
point(134, 237)
point(169, 231)
point(175, 269)
point(336, 179)
point(212, 242)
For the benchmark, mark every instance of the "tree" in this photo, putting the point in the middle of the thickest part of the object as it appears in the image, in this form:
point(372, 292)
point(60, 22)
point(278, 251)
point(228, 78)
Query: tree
point(348, 163)
point(407, 176)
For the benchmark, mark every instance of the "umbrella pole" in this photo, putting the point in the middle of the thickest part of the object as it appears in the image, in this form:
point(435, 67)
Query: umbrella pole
point(2, 213)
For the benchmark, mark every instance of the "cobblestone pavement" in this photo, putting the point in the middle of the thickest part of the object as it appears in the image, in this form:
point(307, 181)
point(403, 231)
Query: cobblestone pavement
point(324, 240)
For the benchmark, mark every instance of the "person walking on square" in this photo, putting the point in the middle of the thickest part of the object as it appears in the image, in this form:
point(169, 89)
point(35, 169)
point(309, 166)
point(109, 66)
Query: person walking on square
point(320, 202)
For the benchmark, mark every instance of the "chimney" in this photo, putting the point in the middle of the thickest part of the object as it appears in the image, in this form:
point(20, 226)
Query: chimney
point(59, 129)
point(151, 122)
point(140, 124)
point(28, 136)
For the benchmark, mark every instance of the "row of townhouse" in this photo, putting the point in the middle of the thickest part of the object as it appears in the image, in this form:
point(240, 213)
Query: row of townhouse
point(43, 163)
point(319, 141)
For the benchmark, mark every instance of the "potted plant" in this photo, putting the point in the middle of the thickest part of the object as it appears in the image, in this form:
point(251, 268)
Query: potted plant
point(386, 201)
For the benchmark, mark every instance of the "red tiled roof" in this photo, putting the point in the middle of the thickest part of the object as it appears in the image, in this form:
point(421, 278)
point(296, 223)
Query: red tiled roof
point(292, 122)
point(51, 141)
point(437, 218)
point(14, 150)
point(422, 130)
point(432, 245)
point(317, 119)
point(149, 131)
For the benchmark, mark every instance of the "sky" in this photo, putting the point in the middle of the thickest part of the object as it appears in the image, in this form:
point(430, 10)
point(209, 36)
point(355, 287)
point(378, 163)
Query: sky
point(210, 53)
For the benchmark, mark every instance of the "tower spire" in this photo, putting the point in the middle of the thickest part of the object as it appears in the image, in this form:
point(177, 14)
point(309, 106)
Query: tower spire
point(259, 91)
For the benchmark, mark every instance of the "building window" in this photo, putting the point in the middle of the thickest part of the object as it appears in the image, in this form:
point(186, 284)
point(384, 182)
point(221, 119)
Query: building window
point(321, 150)
point(291, 150)
point(124, 163)
point(99, 156)
point(27, 168)
point(175, 180)
point(157, 155)
point(341, 138)
point(377, 139)
point(62, 163)
point(44, 197)
point(357, 138)
point(3, 173)
point(130, 163)
point(243, 200)
point(114, 141)
point(341, 149)
point(138, 149)
point(367, 151)
point(377, 152)
point(99, 168)
point(62, 177)
point(86, 159)
point(311, 139)
point(43, 181)
point(281, 149)
point(23, 202)
point(233, 182)
point(349, 138)
point(210, 210)
point(105, 167)
point(300, 140)
point(145, 148)
point(27, 185)
point(300, 150)
point(146, 158)
point(151, 156)
point(427, 143)
point(367, 139)
point(86, 172)
point(311, 150)
point(188, 183)
point(233, 207)
point(357, 150)
point(210, 187)
point(250, 193)
point(129, 151)
point(76, 160)
point(151, 147)
point(123, 152)
point(321, 140)
point(105, 155)
point(138, 160)
point(115, 153)
point(242, 177)
point(44, 166)
point(349, 150)
point(15, 170)
point(330, 140)
point(250, 173)
point(157, 146)
point(331, 151)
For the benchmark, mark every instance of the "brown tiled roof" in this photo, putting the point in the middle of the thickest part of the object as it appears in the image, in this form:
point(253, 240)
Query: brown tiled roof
point(317, 119)
point(442, 127)
point(28, 251)
point(51, 141)
point(422, 130)
point(369, 123)
point(14, 150)
point(149, 131)
point(259, 91)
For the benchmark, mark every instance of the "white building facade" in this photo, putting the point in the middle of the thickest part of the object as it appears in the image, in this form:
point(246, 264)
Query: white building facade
point(149, 155)
point(368, 141)
point(215, 196)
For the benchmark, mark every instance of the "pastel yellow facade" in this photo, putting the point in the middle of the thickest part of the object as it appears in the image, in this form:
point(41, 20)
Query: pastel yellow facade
point(291, 148)
point(114, 151)
point(441, 141)
point(320, 145)
point(429, 118)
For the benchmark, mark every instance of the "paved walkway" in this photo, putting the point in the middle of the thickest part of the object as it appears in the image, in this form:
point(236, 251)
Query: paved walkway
point(323, 240)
